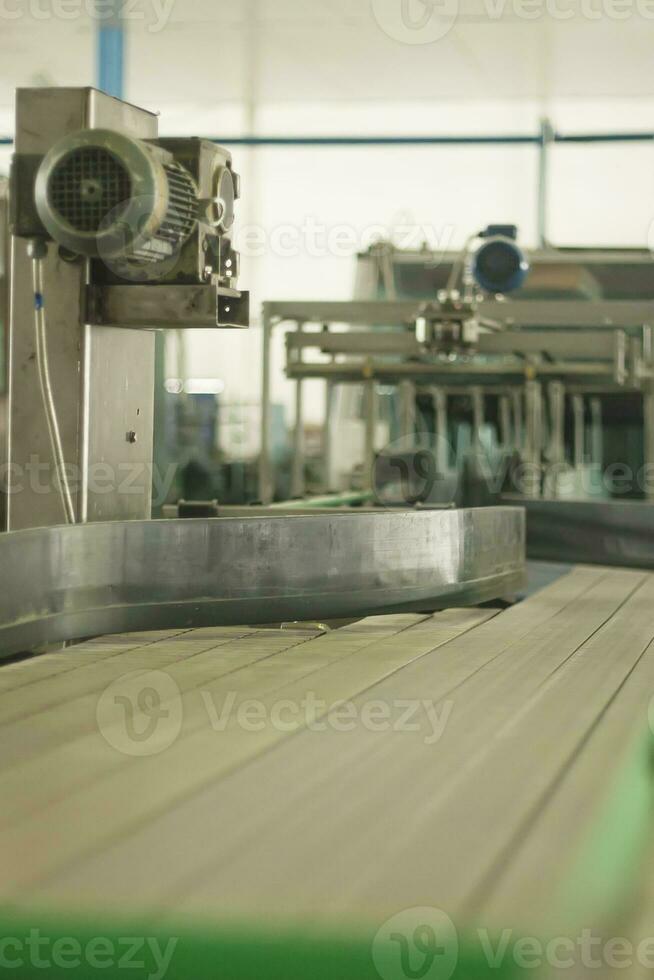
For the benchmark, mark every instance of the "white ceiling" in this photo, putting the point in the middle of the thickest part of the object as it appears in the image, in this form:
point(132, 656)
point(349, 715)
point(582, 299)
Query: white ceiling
point(335, 51)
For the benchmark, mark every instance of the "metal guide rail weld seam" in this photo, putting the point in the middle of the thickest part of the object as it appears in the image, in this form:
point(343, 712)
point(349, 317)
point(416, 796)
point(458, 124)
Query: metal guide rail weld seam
point(73, 582)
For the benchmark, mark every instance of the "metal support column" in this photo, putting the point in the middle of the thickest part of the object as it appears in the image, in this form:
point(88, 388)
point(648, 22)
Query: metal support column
point(579, 412)
point(505, 421)
point(266, 486)
point(441, 434)
point(648, 422)
point(478, 416)
point(297, 470)
point(546, 141)
point(408, 411)
point(370, 434)
point(518, 420)
point(596, 433)
point(111, 49)
point(556, 451)
point(533, 438)
point(328, 447)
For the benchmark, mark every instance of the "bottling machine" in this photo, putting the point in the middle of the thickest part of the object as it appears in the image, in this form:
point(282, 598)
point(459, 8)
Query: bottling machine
point(532, 388)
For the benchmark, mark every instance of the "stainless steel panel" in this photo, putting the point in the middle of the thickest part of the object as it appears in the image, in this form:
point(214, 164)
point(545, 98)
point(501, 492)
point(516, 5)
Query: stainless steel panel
point(71, 582)
point(120, 435)
point(164, 306)
point(43, 116)
point(593, 532)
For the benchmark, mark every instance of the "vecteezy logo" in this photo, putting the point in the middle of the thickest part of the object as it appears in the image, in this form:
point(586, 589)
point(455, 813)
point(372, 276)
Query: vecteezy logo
point(141, 713)
point(416, 21)
point(417, 944)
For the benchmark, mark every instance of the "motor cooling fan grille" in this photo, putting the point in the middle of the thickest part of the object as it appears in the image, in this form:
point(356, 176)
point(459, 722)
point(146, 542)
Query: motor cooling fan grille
point(87, 186)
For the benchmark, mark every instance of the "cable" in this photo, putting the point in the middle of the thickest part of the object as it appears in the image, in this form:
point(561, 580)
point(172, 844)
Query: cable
point(37, 251)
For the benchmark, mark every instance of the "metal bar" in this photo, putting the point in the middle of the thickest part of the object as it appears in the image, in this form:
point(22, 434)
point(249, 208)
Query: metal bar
point(556, 393)
point(442, 447)
point(71, 582)
point(353, 498)
point(266, 487)
point(579, 412)
point(478, 415)
point(601, 314)
point(447, 373)
point(408, 412)
point(474, 140)
point(597, 432)
point(533, 438)
point(370, 432)
point(546, 138)
point(111, 50)
point(297, 474)
point(328, 429)
point(505, 421)
point(592, 344)
point(517, 400)
point(164, 305)
point(648, 419)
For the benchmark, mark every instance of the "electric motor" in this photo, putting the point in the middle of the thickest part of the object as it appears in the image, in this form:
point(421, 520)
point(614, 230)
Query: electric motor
point(500, 265)
point(102, 194)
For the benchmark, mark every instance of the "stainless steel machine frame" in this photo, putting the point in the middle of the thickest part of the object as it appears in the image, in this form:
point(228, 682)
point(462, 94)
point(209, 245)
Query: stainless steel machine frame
point(102, 378)
point(101, 344)
point(67, 583)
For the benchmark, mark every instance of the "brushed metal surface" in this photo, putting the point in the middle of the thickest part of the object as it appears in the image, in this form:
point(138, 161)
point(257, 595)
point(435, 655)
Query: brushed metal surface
point(44, 116)
point(67, 583)
point(617, 533)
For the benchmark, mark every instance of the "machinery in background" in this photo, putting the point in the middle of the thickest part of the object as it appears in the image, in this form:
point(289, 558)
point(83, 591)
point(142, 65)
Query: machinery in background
point(211, 445)
point(115, 233)
point(455, 397)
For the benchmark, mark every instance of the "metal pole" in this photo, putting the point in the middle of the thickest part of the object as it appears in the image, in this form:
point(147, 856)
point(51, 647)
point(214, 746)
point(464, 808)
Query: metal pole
point(478, 416)
point(597, 435)
point(648, 414)
point(546, 140)
point(556, 392)
point(533, 437)
point(266, 487)
point(297, 473)
point(408, 411)
point(648, 422)
point(441, 434)
point(518, 433)
point(579, 411)
point(370, 433)
point(111, 49)
point(505, 421)
point(328, 443)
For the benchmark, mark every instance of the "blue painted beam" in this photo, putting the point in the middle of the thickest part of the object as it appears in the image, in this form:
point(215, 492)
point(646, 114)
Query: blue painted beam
point(111, 52)
point(345, 141)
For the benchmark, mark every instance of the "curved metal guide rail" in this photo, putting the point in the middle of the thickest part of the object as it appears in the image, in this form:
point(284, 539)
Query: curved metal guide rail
point(67, 583)
point(594, 532)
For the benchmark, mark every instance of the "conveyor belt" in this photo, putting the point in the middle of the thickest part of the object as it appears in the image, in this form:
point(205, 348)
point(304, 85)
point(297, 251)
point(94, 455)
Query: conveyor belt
point(517, 793)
